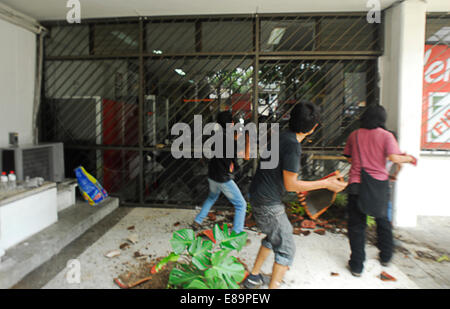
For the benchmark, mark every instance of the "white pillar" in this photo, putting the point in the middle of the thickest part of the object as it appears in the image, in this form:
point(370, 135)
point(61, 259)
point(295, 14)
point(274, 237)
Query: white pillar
point(401, 94)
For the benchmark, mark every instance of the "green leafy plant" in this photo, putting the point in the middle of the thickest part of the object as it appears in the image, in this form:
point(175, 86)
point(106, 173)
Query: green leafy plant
point(206, 264)
point(249, 208)
point(370, 221)
point(297, 208)
point(341, 199)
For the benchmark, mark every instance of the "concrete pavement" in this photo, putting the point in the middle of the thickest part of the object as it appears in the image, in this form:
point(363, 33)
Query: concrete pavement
point(320, 261)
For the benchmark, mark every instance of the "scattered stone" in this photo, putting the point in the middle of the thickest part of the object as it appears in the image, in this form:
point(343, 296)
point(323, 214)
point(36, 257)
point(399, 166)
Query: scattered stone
point(133, 238)
point(112, 253)
point(297, 218)
point(425, 255)
point(124, 246)
point(322, 223)
point(212, 216)
point(308, 224)
point(320, 231)
point(298, 231)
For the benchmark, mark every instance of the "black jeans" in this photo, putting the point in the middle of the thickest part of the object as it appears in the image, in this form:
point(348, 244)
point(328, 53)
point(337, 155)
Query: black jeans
point(357, 222)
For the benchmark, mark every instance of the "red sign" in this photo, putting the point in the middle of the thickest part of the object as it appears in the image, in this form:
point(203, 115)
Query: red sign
point(436, 98)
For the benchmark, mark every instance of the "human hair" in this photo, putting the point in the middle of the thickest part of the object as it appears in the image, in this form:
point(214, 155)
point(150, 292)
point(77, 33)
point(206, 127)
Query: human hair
point(304, 116)
point(373, 117)
point(223, 118)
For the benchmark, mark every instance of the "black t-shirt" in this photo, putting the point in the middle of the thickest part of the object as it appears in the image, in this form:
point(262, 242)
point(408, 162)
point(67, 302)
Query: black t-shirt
point(222, 169)
point(267, 186)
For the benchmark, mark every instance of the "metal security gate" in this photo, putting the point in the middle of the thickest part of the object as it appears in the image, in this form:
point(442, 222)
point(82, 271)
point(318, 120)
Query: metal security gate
point(114, 88)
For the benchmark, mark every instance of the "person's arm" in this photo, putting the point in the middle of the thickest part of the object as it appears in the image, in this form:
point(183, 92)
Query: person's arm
point(292, 184)
point(394, 154)
point(397, 168)
point(398, 158)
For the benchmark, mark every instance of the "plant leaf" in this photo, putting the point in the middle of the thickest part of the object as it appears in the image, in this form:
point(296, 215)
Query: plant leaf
point(172, 257)
point(200, 251)
point(197, 284)
point(227, 268)
point(216, 283)
point(182, 239)
point(235, 241)
point(218, 257)
point(231, 283)
point(443, 258)
point(230, 241)
point(179, 277)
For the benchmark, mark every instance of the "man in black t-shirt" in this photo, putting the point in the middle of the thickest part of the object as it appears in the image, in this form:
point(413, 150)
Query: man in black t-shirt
point(267, 188)
point(220, 178)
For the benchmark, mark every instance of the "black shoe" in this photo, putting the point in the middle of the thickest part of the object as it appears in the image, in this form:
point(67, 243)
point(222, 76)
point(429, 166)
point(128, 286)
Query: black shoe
point(385, 264)
point(354, 273)
point(196, 227)
point(255, 281)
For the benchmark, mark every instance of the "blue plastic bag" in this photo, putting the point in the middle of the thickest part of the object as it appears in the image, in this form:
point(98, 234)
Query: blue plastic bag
point(90, 188)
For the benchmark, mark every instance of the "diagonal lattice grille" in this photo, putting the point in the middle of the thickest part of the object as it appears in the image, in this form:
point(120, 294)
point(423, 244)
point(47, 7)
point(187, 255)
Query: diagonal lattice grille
point(113, 89)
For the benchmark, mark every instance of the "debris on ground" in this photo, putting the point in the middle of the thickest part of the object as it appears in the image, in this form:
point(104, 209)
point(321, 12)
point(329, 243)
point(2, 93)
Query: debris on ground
point(384, 276)
point(124, 246)
point(334, 274)
point(112, 253)
point(443, 258)
point(308, 224)
point(177, 223)
point(137, 254)
point(133, 238)
point(297, 231)
point(212, 216)
point(122, 285)
point(320, 231)
point(139, 276)
point(131, 228)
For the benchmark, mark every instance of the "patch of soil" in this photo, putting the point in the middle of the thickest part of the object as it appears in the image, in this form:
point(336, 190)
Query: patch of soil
point(143, 270)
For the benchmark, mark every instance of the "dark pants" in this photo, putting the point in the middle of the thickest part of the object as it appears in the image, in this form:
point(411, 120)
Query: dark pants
point(357, 222)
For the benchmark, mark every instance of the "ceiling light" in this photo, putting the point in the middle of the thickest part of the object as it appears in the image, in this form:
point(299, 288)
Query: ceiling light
point(180, 72)
point(125, 38)
point(276, 35)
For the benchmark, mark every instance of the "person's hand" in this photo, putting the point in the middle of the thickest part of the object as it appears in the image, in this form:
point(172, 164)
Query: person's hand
point(334, 184)
point(413, 160)
point(301, 198)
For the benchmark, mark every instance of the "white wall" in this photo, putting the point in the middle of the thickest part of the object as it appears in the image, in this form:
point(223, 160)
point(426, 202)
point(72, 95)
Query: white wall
point(433, 200)
point(17, 75)
point(421, 190)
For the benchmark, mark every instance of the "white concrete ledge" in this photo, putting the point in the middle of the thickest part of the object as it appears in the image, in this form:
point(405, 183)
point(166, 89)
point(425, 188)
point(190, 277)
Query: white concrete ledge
point(28, 255)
